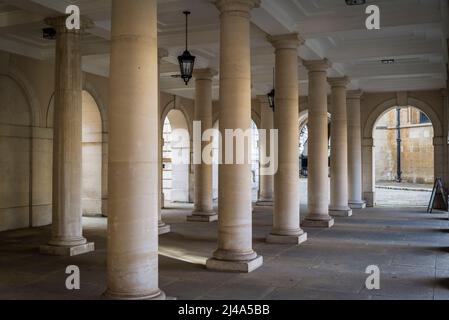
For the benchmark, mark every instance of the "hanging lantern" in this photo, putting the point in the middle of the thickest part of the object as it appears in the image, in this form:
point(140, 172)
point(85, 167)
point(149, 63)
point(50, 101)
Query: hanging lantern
point(186, 60)
point(271, 95)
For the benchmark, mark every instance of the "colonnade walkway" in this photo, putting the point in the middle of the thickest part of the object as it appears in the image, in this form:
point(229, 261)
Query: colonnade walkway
point(410, 247)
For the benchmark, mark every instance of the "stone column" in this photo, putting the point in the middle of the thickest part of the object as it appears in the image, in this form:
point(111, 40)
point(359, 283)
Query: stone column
point(286, 217)
point(368, 183)
point(163, 228)
point(67, 231)
point(132, 248)
point(235, 248)
point(318, 169)
point(339, 149)
point(354, 150)
point(266, 182)
point(204, 210)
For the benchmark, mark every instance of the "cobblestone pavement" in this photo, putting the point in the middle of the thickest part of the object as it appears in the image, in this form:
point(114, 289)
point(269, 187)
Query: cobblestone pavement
point(390, 197)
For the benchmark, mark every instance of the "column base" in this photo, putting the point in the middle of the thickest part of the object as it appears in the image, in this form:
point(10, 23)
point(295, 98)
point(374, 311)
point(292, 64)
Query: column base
point(67, 250)
point(340, 213)
point(202, 217)
point(278, 239)
point(234, 266)
point(265, 203)
point(160, 295)
point(357, 205)
point(312, 222)
point(164, 229)
point(370, 198)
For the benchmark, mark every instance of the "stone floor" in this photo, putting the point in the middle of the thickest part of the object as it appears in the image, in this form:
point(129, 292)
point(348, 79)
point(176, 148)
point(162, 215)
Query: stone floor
point(410, 247)
point(386, 197)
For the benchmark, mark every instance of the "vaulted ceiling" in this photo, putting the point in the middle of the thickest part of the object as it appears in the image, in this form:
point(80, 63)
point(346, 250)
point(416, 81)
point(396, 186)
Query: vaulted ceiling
point(413, 33)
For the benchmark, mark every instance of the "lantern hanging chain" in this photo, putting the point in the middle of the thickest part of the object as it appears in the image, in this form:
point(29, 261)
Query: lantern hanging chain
point(187, 28)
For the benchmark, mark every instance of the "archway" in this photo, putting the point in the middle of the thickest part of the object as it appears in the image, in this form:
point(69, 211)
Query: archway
point(403, 157)
point(16, 156)
point(175, 158)
point(91, 194)
point(303, 152)
point(368, 159)
point(255, 164)
point(94, 149)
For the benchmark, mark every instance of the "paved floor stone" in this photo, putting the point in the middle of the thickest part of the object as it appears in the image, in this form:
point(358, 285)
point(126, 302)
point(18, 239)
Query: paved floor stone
point(410, 247)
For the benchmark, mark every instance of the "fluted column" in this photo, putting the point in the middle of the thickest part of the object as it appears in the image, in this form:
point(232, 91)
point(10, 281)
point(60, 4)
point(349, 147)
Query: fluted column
point(318, 172)
point(235, 248)
point(67, 231)
point(286, 216)
point(163, 228)
point(266, 182)
point(132, 248)
point(339, 205)
point(354, 150)
point(204, 210)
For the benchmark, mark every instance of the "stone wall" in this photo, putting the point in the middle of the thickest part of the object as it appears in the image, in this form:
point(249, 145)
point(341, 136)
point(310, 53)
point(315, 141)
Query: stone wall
point(416, 148)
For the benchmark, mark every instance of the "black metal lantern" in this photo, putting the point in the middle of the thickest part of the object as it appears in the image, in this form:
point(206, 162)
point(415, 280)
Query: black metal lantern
point(186, 60)
point(49, 33)
point(271, 95)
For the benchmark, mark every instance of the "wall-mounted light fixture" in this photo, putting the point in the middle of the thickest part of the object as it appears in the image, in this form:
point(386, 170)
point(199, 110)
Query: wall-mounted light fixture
point(49, 33)
point(271, 94)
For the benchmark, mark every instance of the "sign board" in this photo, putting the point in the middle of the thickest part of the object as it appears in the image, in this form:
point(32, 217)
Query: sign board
point(437, 189)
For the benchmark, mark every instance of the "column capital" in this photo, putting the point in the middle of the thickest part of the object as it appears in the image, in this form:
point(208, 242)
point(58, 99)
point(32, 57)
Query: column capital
point(59, 23)
point(286, 41)
point(354, 94)
point(237, 7)
point(317, 65)
point(338, 81)
point(161, 53)
point(204, 74)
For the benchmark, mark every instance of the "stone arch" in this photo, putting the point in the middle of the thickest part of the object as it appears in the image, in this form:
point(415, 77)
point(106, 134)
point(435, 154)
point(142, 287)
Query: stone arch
point(102, 108)
point(368, 165)
point(176, 157)
point(255, 116)
point(254, 167)
point(94, 94)
point(94, 157)
point(176, 105)
point(385, 106)
point(27, 89)
point(88, 87)
point(16, 150)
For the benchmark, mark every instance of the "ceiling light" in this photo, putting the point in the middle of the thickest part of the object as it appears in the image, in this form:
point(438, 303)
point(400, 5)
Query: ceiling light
point(186, 60)
point(388, 61)
point(355, 2)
